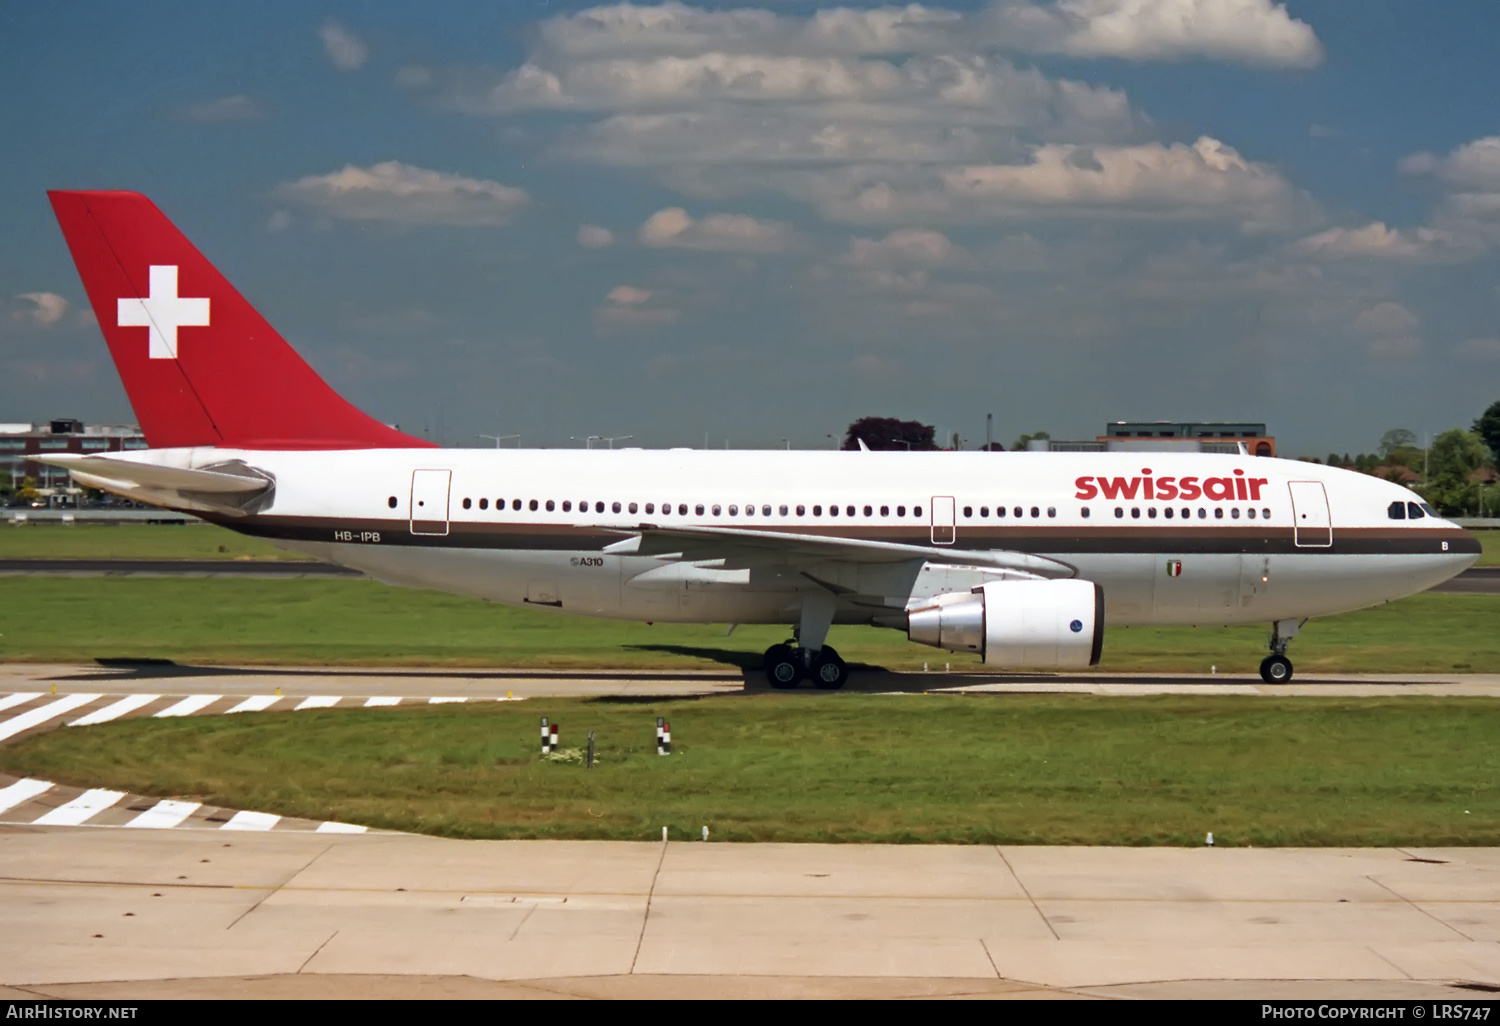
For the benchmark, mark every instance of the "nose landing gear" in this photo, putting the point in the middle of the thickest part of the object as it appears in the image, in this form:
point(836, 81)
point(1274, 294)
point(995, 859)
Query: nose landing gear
point(1276, 668)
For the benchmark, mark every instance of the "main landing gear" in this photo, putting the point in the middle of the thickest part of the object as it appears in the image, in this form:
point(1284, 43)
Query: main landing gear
point(786, 666)
point(1276, 668)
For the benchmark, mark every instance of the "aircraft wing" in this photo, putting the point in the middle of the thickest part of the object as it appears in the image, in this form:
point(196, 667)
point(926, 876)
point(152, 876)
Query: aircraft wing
point(743, 547)
point(231, 487)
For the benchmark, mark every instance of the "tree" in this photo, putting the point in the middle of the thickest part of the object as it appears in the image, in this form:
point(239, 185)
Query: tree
point(1487, 427)
point(1454, 457)
point(1397, 438)
point(889, 433)
point(1020, 443)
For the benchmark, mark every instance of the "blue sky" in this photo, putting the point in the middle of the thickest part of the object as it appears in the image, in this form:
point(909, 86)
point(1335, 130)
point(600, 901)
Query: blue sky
point(758, 223)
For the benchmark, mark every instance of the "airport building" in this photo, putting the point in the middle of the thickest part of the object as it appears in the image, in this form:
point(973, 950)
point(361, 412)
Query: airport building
point(1169, 436)
point(20, 444)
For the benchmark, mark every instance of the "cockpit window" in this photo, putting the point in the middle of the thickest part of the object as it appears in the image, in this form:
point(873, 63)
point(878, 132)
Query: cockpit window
point(1414, 511)
point(1430, 511)
point(1397, 511)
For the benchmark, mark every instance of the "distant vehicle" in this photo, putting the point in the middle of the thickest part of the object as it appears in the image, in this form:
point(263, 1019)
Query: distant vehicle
point(1020, 558)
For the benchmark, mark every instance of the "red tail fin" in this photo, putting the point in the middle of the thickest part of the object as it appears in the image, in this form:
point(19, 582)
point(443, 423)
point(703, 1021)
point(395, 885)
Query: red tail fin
point(201, 367)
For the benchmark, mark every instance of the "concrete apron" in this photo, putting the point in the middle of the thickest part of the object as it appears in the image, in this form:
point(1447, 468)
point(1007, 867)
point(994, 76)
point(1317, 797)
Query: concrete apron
point(93, 913)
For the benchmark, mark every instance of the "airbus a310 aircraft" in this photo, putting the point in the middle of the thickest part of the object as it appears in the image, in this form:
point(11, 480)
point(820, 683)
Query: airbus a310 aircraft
point(1020, 558)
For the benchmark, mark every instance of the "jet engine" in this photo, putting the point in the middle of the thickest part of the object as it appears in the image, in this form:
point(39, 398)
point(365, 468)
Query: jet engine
point(1036, 624)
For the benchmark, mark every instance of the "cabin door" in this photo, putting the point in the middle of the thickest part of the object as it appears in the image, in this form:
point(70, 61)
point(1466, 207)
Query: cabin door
point(944, 525)
point(1312, 524)
point(429, 501)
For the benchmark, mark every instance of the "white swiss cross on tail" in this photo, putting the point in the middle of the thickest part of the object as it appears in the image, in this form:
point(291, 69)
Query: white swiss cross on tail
point(164, 311)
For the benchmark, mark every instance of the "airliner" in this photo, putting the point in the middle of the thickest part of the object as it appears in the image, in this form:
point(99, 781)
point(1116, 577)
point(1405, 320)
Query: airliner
point(1020, 558)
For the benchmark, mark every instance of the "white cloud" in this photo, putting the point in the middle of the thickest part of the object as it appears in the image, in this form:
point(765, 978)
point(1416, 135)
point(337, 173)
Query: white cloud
point(413, 76)
point(1248, 31)
point(1207, 178)
point(43, 309)
point(403, 194)
point(1377, 241)
point(1474, 165)
point(592, 236)
point(905, 247)
point(345, 49)
point(279, 221)
point(1386, 319)
point(726, 233)
point(230, 108)
point(628, 295)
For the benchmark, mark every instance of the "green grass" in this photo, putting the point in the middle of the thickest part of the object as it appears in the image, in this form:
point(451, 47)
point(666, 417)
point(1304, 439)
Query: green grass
point(133, 541)
point(1489, 542)
point(333, 622)
point(1016, 769)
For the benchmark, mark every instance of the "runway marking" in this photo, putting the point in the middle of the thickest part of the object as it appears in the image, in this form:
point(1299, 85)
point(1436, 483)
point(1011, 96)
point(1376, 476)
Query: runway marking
point(256, 703)
point(114, 710)
point(251, 821)
point(443, 701)
point(188, 706)
point(331, 827)
point(81, 809)
point(317, 702)
point(19, 698)
point(379, 700)
point(51, 710)
point(165, 814)
point(22, 791)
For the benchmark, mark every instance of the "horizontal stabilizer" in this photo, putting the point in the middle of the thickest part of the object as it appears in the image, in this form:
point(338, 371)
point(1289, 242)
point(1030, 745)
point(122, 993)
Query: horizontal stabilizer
point(230, 487)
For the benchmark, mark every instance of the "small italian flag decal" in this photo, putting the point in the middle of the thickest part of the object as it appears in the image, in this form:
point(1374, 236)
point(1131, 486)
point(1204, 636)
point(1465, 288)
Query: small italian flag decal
point(1174, 568)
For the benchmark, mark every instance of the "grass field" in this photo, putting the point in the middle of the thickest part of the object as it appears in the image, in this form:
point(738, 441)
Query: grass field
point(919, 768)
point(205, 541)
point(228, 620)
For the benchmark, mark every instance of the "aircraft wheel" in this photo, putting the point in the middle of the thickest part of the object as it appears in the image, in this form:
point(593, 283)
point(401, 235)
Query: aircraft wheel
point(1276, 669)
point(829, 671)
point(783, 668)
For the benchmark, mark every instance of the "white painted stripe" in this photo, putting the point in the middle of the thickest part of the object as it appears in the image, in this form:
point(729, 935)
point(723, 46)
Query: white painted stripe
point(85, 807)
point(42, 714)
point(251, 821)
point(442, 701)
point(256, 703)
point(188, 706)
point(19, 698)
point(130, 703)
point(340, 828)
point(318, 702)
point(22, 791)
point(371, 703)
point(165, 814)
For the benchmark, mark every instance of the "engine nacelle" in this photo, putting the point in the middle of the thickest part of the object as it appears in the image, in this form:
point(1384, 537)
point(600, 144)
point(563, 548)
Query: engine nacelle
point(1018, 623)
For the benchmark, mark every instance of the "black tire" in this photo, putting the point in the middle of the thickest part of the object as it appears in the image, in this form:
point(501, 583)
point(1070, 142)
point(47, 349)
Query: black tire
point(783, 668)
point(829, 673)
point(1275, 669)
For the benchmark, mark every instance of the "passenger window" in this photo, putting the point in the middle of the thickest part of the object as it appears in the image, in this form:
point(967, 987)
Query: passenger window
point(900, 511)
point(1202, 513)
point(916, 511)
point(650, 507)
point(869, 511)
point(833, 511)
point(598, 507)
point(698, 509)
point(468, 503)
point(515, 503)
point(682, 509)
point(1265, 514)
point(885, 511)
point(551, 505)
point(1119, 512)
point(718, 509)
point(484, 503)
point(849, 510)
point(1414, 511)
point(781, 510)
point(999, 511)
point(633, 507)
point(1396, 511)
point(1035, 512)
point(1019, 512)
point(968, 511)
point(614, 507)
point(1167, 512)
point(1218, 512)
point(817, 510)
point(984, 511)
point(1234, 514)
point(391, 502)
point(567, 505)
point(749, 509)
point(1084, 512)
point(801, 511)
point(734, 511)
point(765, 511)
point(533, 505)
point(1135, 512)
point(1250, 512)
point(1052, 511)
point(1151, 512)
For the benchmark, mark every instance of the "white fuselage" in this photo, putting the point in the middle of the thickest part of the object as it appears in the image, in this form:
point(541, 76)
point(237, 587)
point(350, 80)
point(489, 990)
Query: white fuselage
point(1172, 538)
